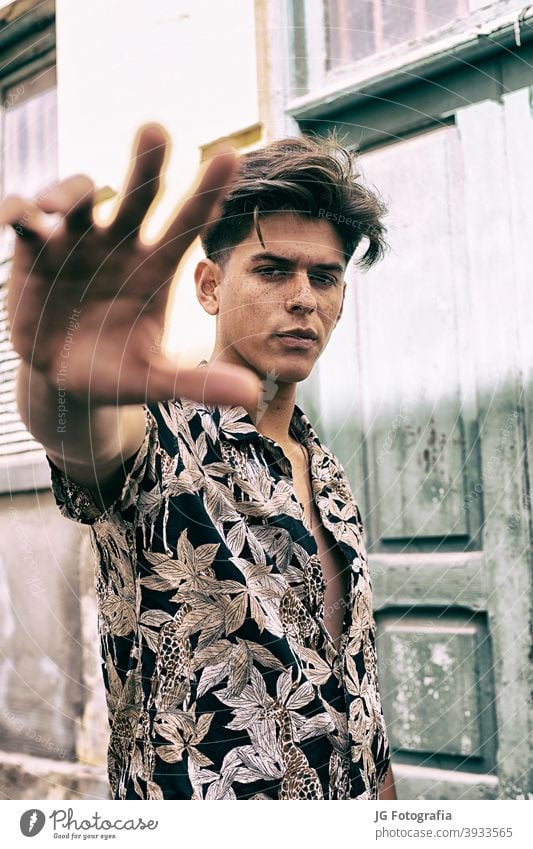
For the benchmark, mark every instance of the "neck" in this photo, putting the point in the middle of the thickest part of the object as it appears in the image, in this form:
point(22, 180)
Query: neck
point(273, 415)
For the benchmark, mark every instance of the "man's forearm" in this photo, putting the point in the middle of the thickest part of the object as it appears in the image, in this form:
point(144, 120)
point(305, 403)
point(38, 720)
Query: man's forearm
point(88, 443)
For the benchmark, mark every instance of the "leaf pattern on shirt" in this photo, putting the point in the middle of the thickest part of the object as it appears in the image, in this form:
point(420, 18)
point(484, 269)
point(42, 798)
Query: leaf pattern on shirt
point(222, 681)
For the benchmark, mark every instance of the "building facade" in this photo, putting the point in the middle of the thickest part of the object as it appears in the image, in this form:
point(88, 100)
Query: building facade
point(433, 418)
point(434, 414)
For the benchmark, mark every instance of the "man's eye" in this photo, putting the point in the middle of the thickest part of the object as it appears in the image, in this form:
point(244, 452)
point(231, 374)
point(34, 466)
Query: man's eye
point(327, 279)
point(271, 271)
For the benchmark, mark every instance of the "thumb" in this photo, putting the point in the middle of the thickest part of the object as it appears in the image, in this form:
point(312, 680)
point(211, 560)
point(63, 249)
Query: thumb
point(215, 383)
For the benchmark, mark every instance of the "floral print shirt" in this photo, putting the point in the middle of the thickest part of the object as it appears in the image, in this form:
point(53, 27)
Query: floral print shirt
point(222, 681)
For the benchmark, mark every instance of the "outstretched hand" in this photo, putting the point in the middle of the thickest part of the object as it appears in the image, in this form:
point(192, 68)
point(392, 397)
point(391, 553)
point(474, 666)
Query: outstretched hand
point(117, 284)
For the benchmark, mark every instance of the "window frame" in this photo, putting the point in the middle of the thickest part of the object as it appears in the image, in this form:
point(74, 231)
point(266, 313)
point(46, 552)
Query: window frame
point(25, 56)
point(483, 32)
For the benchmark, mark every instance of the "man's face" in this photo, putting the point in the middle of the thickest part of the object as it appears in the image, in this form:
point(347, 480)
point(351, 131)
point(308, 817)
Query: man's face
point(295, 283)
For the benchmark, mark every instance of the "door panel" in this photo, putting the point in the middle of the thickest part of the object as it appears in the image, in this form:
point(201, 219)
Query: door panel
point(439, 678)
point(414, 414)
point(431, 425)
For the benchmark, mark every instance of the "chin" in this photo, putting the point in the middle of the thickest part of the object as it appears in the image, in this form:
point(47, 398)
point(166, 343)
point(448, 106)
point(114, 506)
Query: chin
point(285, 369)
point(284, 372)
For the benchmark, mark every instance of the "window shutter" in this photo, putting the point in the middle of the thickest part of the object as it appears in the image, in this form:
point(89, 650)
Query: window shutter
point(28, 160)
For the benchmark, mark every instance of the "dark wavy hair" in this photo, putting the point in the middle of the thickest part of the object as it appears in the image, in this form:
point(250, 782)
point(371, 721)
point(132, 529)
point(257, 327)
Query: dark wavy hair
point(309, 176)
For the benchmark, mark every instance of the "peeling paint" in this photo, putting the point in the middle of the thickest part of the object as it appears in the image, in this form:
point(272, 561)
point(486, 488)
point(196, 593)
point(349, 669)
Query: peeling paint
point(441, 657)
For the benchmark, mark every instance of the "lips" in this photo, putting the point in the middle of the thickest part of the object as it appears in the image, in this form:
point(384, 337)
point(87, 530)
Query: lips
point(297, 341)
point(299, 333)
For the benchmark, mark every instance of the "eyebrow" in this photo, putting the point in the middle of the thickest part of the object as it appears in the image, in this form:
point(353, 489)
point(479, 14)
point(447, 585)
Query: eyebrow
point(288, 263)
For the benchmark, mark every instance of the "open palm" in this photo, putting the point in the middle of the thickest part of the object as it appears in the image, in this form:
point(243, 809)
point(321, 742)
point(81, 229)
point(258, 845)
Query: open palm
point(117, 283)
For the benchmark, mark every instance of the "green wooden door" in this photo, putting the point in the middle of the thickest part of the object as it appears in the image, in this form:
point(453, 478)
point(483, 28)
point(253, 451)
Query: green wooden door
point(434, 429)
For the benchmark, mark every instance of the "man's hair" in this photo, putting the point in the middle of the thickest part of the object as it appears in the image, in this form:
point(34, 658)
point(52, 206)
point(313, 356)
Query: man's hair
point(308, 176)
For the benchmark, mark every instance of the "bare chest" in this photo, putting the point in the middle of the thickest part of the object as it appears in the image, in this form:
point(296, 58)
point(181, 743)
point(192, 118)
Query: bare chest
point(334, 566)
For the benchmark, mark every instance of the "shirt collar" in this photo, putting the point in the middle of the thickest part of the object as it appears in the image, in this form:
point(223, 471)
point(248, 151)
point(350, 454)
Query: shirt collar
point(235, 423)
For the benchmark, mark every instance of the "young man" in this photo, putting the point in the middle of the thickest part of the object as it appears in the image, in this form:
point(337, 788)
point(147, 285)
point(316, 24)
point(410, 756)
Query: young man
point(235, 608)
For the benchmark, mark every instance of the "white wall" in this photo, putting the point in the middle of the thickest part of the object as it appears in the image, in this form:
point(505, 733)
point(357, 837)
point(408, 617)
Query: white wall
point(189, 64)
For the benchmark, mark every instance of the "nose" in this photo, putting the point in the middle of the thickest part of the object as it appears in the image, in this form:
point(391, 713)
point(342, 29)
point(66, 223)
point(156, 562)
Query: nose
point(301, 295)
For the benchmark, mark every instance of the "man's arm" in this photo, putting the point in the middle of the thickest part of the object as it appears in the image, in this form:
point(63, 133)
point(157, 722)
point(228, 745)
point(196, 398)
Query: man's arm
point(86, 306)
point(388, 790)
point(93, 444)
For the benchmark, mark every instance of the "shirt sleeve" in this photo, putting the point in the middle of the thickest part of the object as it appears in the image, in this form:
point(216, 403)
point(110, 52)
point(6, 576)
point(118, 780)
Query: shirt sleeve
point(77, 502)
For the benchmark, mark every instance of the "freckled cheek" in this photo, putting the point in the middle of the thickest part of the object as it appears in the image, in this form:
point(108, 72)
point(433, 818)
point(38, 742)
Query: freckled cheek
point(256, 305)
point(247, 317)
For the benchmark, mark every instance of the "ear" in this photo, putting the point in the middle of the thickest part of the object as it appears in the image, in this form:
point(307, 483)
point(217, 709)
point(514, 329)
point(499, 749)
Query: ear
point(207, 279)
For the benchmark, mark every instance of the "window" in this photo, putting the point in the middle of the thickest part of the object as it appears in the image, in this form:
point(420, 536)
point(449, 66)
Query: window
point(28, 160)
point(358, 28)
point(30, 133)
point(330, 39)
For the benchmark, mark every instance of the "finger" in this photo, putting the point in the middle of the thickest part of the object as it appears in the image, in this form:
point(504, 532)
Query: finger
point(202, 206)
point(142, 184)
point(213, 384)
point(23, 216)
point(73, 198)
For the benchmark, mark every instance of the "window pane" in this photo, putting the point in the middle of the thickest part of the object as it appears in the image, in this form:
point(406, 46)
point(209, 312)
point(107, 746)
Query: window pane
point(29, 164)
point(358, 28)
point(350, 30)
point(399, 20)
point(30, 134)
